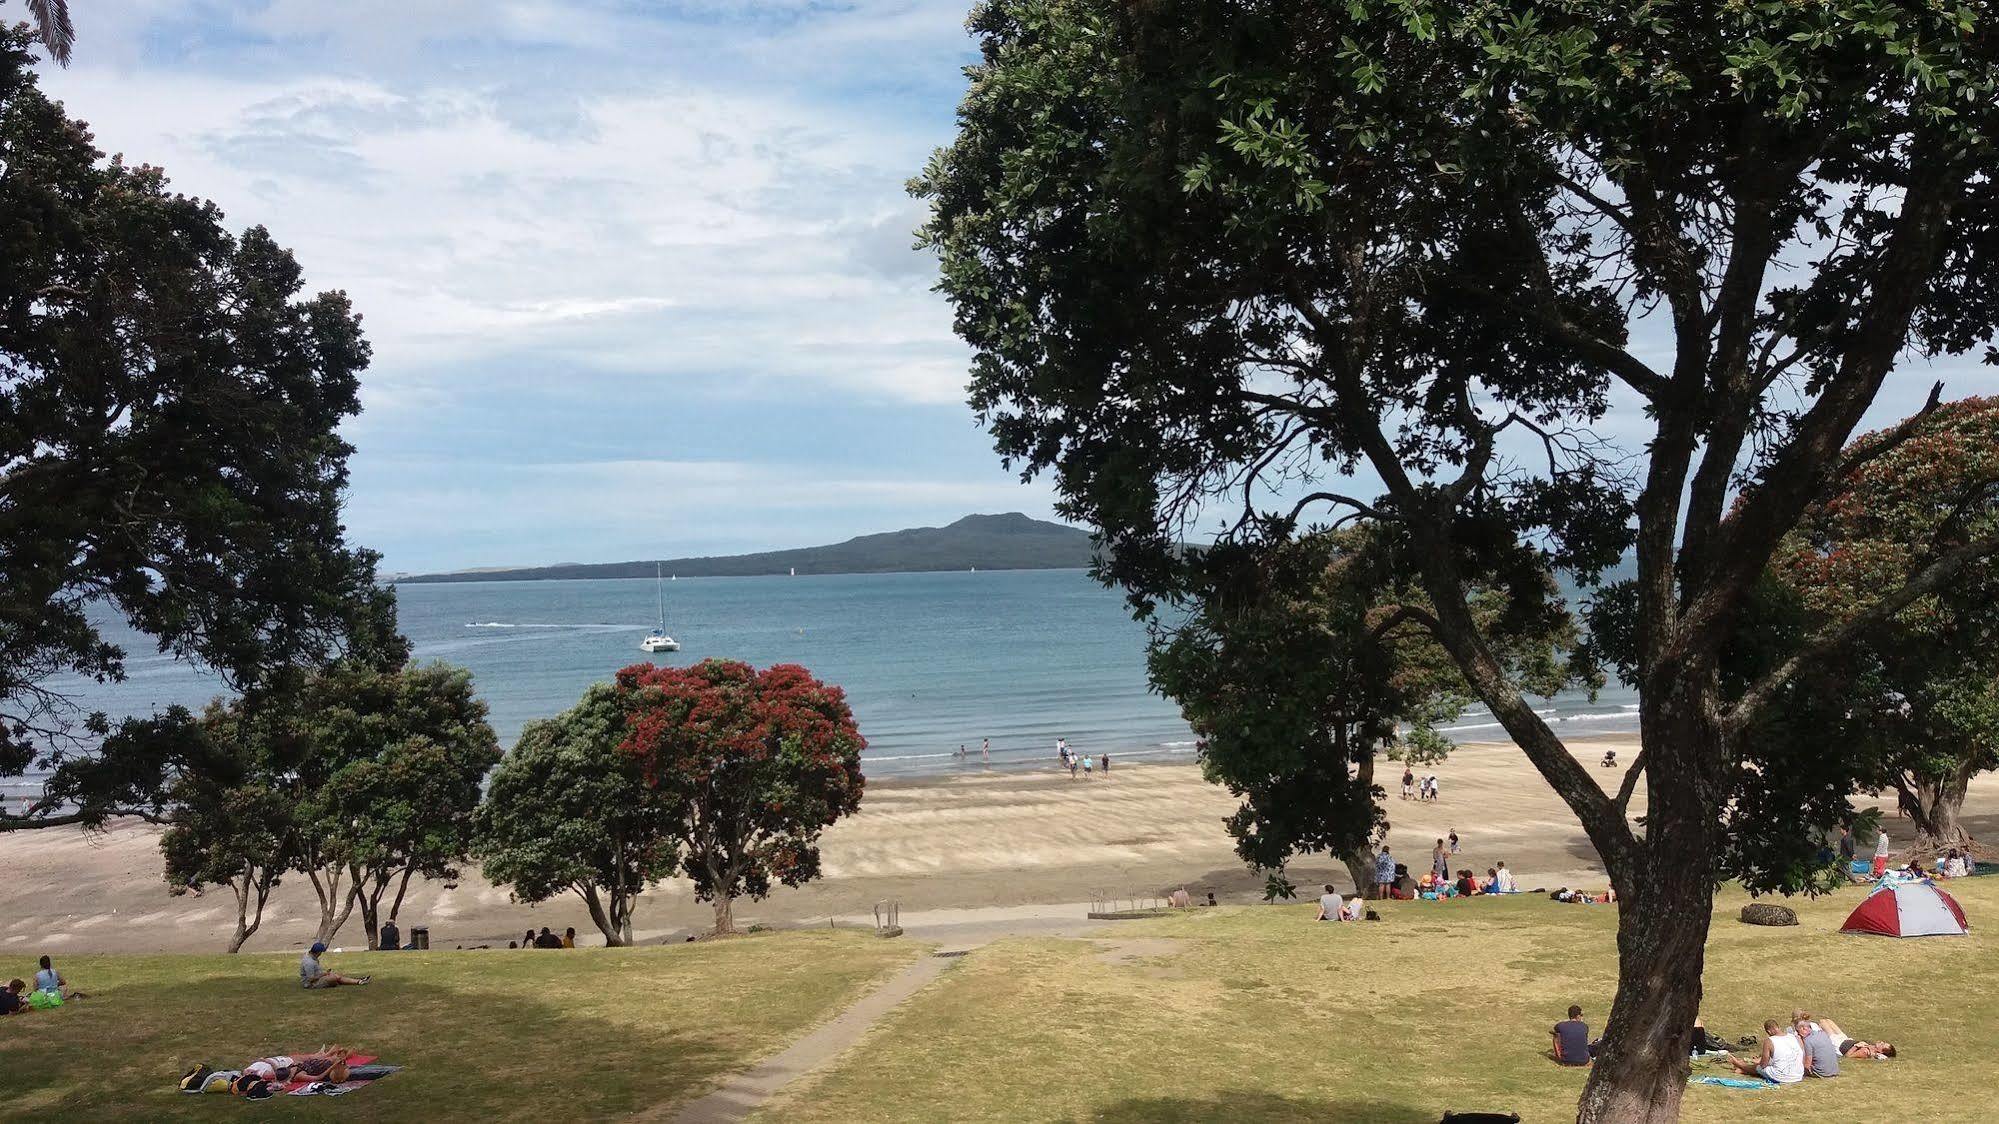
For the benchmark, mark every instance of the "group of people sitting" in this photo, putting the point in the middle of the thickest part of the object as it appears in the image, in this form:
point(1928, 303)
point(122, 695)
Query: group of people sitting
point(1953, 864)
point(546, 939)
point(50, 990)
point(1806, 1046)
point(1392, 880)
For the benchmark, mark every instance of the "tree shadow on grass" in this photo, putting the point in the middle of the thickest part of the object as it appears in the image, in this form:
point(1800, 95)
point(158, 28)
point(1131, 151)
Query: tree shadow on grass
point(466, 1054)
point(1256, 1107)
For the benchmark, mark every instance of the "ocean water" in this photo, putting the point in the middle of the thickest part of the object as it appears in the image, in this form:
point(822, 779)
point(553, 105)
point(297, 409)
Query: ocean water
point(929, 661)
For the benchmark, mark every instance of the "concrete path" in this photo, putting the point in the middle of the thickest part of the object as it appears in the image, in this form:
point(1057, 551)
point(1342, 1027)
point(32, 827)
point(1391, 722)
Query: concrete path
point(745, 1092)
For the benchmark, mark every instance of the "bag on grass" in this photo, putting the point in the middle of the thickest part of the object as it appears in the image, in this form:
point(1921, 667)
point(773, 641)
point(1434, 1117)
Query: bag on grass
point(191, 1081)
point(44, 1000)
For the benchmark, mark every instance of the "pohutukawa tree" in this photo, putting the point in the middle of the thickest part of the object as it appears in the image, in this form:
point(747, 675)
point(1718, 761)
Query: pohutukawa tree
point(170, 454)
point(389, 768)
point(754, 765)
point(567, 810)
point(1918, 698)
point(228, 822)
point(1209, 255)
point(1299, 665)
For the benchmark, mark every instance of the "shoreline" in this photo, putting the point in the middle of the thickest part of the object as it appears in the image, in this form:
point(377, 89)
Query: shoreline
point(999, 849)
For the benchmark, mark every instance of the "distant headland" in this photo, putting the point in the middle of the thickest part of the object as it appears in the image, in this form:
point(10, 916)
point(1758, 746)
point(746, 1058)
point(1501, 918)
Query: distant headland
point(986, 542)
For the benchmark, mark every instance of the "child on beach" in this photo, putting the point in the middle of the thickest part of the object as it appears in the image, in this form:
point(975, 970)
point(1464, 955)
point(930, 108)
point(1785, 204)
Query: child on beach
point(1089, 767)
point(1454, 841)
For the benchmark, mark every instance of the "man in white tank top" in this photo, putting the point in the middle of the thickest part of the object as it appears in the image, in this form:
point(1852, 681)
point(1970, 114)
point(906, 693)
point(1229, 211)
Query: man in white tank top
point(1783, 1060)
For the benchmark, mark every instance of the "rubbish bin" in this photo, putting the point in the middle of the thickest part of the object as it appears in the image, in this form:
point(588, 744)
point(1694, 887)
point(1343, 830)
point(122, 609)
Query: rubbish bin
point(420, 937)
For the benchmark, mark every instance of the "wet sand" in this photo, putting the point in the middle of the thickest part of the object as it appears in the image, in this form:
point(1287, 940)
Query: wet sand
point(978, 850)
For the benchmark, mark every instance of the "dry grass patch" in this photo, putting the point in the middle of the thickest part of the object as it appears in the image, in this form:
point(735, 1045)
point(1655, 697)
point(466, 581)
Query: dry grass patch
point(528, 1034)
point(1260, 1014)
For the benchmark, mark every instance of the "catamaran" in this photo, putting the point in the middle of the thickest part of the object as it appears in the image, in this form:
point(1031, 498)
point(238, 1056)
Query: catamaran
point(657, 640)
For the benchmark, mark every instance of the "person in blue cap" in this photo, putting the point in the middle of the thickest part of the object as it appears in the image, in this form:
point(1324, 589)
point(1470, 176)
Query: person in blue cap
point(311, 974)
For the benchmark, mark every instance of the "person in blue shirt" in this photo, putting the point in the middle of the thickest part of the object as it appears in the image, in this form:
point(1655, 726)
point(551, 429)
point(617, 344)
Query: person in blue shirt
point(51, 981)
point(1571, 1038)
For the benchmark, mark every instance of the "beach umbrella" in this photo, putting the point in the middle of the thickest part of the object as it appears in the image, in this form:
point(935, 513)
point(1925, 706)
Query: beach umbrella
point(1907, 908)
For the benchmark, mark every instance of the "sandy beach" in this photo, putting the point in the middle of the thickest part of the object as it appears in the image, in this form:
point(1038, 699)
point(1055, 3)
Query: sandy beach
point(987, 849)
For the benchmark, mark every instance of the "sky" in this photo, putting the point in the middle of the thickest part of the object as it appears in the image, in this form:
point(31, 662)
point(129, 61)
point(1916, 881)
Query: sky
point(639, 276)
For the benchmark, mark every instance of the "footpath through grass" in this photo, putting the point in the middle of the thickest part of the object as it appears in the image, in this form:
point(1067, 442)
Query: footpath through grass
point(528, 1034)
point(1260, 1014)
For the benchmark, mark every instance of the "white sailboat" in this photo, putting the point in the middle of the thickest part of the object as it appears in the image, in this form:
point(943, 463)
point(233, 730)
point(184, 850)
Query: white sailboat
point(657, 640)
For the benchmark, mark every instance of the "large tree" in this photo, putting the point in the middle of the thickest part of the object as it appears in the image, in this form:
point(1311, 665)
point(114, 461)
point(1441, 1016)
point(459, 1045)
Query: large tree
point(568, 810)
point(390, 767)
point(228, 822)
point(169, 446)
point(1207, 255)
point(754, 765)
point(1300, 665)
point(1918, 698)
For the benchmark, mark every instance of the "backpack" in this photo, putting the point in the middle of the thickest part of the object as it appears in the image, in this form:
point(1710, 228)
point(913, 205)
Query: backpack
point(191, 1081)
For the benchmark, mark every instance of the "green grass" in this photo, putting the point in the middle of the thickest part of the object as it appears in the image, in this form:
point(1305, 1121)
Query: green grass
point(502, 1034)
point(1259, 1014)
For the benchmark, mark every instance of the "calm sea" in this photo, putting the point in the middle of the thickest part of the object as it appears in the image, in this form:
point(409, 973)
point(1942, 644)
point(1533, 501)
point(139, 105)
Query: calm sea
point(929, 661)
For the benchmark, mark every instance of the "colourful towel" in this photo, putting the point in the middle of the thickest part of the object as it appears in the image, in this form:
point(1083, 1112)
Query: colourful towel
point(1735, 1082)
point(296, 1085)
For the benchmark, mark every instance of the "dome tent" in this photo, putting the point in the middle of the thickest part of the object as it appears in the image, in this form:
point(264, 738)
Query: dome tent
point(1907, 908)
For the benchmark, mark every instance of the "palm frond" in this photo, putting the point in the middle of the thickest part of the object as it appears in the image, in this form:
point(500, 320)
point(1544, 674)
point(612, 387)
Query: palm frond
point(53, 26)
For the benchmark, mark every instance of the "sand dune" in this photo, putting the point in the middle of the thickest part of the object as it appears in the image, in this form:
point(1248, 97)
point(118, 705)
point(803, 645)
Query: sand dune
point(992, 843)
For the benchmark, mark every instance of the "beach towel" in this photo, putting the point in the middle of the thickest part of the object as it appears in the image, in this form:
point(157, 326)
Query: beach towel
point(298, 1085)
point(1735, 1082)
point(355, 1080)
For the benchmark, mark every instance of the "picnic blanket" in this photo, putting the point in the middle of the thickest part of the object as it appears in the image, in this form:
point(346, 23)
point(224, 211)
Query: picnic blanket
point(1735, 1082)
point(362, 1070)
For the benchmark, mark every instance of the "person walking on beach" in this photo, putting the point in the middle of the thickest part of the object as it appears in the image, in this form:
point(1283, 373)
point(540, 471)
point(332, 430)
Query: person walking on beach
point(1384, 873)
point(1436, 791)
point(986, 752)
point(1072, 766)
point(1087, 774)
point(1104, 764)
point(1408, 782)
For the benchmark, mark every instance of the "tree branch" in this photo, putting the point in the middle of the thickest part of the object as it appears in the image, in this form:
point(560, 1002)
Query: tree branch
point(1930, 579)
point(1630, 783)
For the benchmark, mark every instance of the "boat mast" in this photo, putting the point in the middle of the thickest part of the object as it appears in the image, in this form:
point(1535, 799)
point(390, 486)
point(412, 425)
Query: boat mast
point(660, 588)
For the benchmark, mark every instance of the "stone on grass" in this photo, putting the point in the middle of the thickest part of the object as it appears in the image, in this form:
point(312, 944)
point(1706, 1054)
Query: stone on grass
point(1762, 913)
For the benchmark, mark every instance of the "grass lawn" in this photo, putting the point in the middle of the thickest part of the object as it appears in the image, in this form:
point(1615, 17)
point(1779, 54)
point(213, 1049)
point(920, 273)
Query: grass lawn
point(501, 1034)
point(1257, 1014)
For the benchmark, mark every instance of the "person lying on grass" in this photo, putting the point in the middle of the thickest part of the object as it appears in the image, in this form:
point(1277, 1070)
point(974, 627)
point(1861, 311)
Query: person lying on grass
point(312, 975)
point(328, 1063)
point(1782, 1061)
point(1850, 1047)
point(51, 981)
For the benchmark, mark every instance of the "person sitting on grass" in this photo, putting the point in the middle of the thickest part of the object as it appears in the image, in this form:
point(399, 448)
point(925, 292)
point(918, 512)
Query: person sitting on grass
point(1505, 879)
point(547, 939)
point(1821, 1056)
point(1571, 1038)
point(1850, 1047)
point(51, 981)
point(10, 997)
point(1330, 905)
point(312, 974)
point(1491, 883)
point(569, 937)
point(1782, 1061)
point(1354, 910)
point(1467, 885)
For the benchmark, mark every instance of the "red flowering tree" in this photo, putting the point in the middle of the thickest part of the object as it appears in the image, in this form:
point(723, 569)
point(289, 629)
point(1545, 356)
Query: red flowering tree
point(755, 764)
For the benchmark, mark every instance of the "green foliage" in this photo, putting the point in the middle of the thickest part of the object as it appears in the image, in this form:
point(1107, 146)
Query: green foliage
point(169, 434)
point(1299, 665)
point(567, 810)
point(392, 775)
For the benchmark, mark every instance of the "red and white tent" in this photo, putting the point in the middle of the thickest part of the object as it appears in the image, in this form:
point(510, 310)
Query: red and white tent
point(1914, 908)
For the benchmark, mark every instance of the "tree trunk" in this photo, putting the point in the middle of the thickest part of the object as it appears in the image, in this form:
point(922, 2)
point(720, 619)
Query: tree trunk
point(242, 885)
point(1935, 805)
point(334, 907)
point(1360, 867)
point(725, 916)
point(1665, 903)
point(606, 922)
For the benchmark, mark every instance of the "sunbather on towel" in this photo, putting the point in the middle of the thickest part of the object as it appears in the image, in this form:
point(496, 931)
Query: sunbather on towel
point(328, 1063)
point(1783, 1058)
